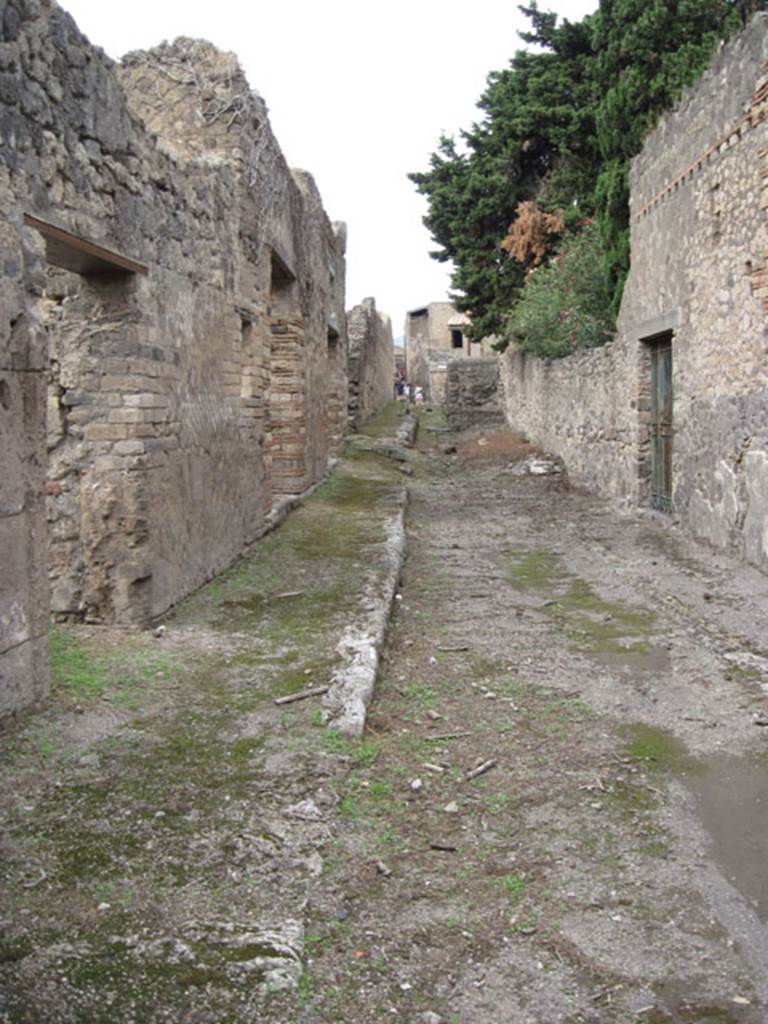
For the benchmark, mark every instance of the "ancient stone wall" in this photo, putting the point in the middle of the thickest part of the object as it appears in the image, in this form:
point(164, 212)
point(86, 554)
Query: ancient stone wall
point(195, 355)
point(23, 371)
point(472, 394)
point(371, 363)
point(290, 274)
point(699, 275)
point(416, 337)
point(581, 408)
point(400, 359)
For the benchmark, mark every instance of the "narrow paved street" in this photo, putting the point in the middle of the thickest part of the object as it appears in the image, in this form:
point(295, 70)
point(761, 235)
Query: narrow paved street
point(610, 864)
point(556, 812)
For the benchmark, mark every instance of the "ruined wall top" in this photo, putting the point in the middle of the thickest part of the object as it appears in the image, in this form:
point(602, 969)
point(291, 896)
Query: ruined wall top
point(197, 102)
point(361, 321)
point(195, 98)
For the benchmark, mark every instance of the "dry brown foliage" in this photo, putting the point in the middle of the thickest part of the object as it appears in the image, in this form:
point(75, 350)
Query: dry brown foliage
point(531, 233)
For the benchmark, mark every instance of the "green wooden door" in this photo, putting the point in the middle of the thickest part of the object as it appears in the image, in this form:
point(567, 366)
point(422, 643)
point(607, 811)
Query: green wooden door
point(661, 425)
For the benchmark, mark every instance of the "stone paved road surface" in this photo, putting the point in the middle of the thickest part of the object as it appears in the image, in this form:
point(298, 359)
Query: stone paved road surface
point(182, 849)
point(611, 865)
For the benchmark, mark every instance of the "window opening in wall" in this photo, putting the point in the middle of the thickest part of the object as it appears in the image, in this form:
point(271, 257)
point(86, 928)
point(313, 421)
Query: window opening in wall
point(282, 287)
point(457, 339)
point(661, 421)
point(80, 255)
point(246, 332)
point(246, 357)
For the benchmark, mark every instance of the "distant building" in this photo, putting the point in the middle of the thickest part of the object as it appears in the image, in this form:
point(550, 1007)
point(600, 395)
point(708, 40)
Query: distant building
point(436, 335)
point(399, 350)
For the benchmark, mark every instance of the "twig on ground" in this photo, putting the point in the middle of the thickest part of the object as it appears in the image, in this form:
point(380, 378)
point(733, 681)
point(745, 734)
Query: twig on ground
point(446, 736)
point(316, 691)
point(481, 769)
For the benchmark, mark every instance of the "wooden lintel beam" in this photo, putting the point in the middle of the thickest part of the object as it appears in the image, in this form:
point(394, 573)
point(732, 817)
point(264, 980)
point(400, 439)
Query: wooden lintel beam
point(81, 255)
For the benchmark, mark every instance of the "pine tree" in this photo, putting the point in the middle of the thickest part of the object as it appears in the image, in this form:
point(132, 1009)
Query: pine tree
point(559, 127)
point(536, 140)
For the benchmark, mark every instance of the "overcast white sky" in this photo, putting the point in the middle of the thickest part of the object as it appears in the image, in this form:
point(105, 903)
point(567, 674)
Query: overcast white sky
point(358, 94)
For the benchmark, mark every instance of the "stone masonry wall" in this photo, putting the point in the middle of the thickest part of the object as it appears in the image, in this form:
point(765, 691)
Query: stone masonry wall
point(472, 395)
point(699, 272)
point(23, 575)
point(416, 339)
point(371, 364)
point(168, 424)
point(581, 408)
point(291, 269)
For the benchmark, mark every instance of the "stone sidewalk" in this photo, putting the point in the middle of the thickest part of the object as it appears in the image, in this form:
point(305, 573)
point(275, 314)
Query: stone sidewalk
point(161, 820)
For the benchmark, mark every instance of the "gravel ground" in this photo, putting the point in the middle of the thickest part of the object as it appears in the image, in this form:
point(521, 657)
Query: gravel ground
point(610, 864)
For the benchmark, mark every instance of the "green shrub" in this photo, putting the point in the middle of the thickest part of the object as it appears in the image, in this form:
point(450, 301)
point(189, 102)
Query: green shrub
point(565, 304)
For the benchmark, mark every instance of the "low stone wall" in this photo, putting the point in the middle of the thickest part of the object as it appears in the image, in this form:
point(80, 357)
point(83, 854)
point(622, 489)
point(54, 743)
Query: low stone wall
point(577, 408)
point(472, 394)
point(699, 277)
point(371, 362)
point(182, 290)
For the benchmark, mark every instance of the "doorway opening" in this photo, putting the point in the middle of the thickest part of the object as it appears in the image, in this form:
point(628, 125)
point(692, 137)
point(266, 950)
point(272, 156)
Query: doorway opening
point(288, 382)
point(90, 310)
point(657, 411)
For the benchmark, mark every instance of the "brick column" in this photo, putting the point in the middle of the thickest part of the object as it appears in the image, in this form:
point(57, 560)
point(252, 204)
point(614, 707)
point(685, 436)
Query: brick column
point(288, 407)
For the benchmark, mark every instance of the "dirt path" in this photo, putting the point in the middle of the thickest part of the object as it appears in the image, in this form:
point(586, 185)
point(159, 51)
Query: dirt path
point(610, 865)
point(176, 847)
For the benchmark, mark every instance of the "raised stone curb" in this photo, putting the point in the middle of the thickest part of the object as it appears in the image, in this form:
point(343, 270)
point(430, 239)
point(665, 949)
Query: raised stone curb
point(353, 683)
point(406, 432)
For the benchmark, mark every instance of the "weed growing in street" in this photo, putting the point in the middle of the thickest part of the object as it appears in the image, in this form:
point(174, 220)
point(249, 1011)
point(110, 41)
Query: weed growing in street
point(123, 674)
point(514, 886)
